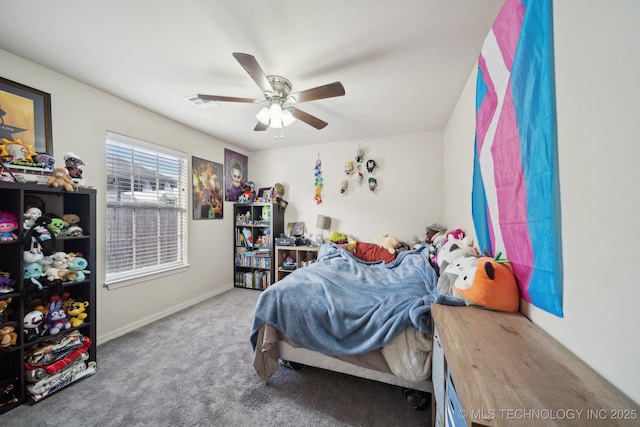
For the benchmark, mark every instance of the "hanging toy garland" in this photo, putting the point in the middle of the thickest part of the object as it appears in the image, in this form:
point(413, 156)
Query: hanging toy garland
point(317, 172)
point(361, 171)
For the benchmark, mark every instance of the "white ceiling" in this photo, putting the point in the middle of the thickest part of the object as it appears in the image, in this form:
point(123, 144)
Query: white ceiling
point(403, 63)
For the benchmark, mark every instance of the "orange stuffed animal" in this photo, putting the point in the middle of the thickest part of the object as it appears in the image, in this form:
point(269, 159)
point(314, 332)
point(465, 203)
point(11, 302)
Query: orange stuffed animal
point(60, 178)
point(488, 283)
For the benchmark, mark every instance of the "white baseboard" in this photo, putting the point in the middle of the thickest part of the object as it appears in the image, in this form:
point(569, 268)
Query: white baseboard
point(157, 316)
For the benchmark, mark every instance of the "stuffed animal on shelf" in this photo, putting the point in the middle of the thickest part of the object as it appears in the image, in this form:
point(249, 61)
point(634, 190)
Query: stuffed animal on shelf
point(56, 319)
point(3, 309)
point(70, 219)
point(56, 225)
point(34, 254)
point(8, 224)
point(30, 216)
point(8, 336)
point(76, 313)
point(73, 163)
point(487, 283)
point(6, 282)
point(71, 226)
point(248, 194)
point(33, 273)
point(388, 242)
point(60, 178)
point(60, 260)
point(78, 265)
point(32, 324)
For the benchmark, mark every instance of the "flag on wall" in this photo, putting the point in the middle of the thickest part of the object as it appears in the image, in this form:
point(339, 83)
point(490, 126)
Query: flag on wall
point(515, 196)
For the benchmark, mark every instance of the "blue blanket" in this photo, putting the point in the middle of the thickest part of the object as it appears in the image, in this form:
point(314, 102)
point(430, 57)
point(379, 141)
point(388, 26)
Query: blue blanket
point(341, 305)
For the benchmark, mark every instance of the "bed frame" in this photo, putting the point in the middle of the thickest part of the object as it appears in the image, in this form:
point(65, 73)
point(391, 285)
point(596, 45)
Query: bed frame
point(319, 360)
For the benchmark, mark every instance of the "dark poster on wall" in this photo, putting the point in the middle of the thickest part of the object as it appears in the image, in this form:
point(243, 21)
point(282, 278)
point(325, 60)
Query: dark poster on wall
point(236, 167)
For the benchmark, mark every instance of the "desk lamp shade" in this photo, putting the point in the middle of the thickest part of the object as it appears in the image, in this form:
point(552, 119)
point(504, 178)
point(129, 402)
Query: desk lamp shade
point(323, 223)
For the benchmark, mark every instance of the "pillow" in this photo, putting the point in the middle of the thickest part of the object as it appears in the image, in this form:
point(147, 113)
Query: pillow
point(372, 252)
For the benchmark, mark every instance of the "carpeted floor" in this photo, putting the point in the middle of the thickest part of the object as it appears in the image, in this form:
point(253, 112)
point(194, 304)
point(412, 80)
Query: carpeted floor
point(194, 369)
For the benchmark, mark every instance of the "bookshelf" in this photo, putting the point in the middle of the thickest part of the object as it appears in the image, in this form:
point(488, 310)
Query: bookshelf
point(255, 227)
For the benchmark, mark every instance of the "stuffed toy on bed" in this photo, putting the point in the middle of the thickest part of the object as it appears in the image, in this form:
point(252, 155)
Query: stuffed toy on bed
point(389, 243)
point(488, 283)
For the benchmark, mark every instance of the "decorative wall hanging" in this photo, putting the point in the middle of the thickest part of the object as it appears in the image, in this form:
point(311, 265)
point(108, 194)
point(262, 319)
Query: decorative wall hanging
point(373, 184)
point(516, 202)
point(357, 170)
point(348, 168)
point(237, 171)
point(317, 172)
point(25, 115)
point(371, 165)
point(344, 185)
point(207, 189)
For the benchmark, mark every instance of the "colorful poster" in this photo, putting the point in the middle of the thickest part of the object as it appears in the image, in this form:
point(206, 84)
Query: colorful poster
point(207, 189)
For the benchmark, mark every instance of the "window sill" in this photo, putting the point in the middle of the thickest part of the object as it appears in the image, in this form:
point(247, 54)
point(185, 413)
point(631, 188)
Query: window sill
point(134, 280)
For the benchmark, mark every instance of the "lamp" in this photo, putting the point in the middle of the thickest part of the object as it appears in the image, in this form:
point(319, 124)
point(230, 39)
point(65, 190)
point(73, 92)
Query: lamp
point(275, 116)
point(323, 223)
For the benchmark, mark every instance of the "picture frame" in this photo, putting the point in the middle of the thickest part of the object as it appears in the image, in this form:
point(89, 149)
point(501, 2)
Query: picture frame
point(264, 194)
point(25, 114)
point(207, 198)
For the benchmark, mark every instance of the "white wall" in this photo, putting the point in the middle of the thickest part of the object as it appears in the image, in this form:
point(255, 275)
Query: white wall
point(81, 115)
point(407, 199)
point(597, 63)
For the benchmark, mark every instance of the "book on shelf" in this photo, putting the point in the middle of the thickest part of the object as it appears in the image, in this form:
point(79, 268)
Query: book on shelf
point(246, 233)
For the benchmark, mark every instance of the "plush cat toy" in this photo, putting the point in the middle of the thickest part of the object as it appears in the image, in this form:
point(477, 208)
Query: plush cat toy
point(489, 284)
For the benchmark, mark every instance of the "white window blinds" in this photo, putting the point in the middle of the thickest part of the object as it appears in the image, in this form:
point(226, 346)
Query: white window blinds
point(146, 209)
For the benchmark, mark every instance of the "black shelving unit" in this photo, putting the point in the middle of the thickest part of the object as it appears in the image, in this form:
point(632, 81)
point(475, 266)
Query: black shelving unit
point(256, 225)
point(16, 198)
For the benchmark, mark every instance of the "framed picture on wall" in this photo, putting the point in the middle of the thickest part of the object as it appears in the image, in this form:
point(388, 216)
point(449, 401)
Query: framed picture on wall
point(207, 189)
point(236, 166)
point(25, 116)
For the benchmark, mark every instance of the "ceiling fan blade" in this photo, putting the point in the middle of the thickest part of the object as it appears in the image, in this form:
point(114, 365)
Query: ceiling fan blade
point(327, 91)
point(308, 118)
point(251, 66)
point(226, 98)
point(260, 126)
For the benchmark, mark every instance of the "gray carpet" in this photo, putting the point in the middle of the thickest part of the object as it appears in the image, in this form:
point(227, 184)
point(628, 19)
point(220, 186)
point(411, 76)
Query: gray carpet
point(194, 369)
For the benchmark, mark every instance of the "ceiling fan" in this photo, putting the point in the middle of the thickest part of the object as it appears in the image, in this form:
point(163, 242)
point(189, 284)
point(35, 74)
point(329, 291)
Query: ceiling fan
point(277, 93)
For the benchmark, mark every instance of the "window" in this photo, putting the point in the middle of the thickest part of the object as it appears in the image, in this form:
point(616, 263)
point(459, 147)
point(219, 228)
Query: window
point(146, 210)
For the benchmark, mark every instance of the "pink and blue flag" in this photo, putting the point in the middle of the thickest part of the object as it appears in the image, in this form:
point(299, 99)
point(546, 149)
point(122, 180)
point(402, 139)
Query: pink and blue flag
point(515, 197)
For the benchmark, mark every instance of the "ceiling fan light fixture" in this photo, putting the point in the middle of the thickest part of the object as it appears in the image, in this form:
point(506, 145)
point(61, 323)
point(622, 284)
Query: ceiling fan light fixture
point(276, 124)
point(276, 112)
point(264, 116)
point(287, 117)
point(276, 116)
point(277, 93)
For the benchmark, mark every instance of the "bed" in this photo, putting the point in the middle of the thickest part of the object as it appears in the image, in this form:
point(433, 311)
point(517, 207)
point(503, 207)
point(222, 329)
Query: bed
point(370, 319)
